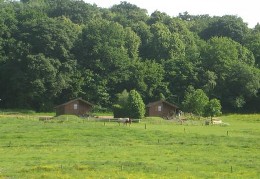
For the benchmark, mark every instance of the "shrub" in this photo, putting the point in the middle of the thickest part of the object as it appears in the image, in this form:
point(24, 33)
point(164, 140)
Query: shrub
point(119, 111)
point(136, 106)
point(129, 105)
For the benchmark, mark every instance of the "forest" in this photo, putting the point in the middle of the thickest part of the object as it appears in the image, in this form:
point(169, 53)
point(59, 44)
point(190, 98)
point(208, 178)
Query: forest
point(52, 51)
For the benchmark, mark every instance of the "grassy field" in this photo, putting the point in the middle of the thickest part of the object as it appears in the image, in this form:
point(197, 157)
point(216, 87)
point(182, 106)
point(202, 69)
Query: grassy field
point(71, 147)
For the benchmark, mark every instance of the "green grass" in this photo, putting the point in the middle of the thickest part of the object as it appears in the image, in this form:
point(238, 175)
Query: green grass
point(24, 112)
point(72, 147)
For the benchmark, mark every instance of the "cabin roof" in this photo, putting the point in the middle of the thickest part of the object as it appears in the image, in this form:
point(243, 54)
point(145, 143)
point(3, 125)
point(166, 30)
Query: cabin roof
point(71, 101)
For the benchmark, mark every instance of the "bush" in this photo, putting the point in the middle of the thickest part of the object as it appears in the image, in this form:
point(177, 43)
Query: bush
point(119, 111)
point(99, 109)
point(129, 105)
point(136, 107)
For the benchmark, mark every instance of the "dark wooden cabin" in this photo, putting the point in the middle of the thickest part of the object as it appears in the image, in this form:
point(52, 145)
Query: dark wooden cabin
point(77, 107)
point(162, 109)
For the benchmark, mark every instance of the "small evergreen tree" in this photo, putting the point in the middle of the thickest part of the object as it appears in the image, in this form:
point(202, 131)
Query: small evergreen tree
point(136, 106)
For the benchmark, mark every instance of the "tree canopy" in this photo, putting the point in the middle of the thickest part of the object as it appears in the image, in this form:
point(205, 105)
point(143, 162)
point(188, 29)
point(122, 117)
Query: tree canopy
point(54, 50)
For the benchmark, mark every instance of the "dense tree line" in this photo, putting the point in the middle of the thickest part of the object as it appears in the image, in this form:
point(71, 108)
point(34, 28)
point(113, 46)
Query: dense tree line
point(55, 50)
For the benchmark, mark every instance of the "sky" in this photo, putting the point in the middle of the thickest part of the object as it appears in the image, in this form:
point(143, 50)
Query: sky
point(248, 10)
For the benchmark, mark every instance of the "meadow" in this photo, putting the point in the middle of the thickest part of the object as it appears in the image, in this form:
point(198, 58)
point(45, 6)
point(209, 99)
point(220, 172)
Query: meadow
point(72, 147)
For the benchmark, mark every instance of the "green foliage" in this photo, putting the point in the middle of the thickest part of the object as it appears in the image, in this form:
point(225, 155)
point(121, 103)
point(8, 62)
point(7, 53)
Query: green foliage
point(165, 44)
point(44, 82)
point(78, 12)
point(180, 73)
point(122, 98)
point(219, 54)
point(143, 31)
point(128, 14)
point(129, 105)
point(148, 79)
point(244, 83)
point(103, 49)
point(55, 50)
point(132, 43)
point(208, 81)
point(136, 105)
point(195, 101)
point(99, 110)
point(213, 108)
point(57, 36)
point(119, 111)
point(121, 108)
point(158, 16)
point(162, 97)
point(233, 77)
point(226, 26)
point(252, 42)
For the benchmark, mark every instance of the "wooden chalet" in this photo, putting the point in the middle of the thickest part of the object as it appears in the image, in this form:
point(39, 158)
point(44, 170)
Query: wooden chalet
point(161, 108)
point(77, 107)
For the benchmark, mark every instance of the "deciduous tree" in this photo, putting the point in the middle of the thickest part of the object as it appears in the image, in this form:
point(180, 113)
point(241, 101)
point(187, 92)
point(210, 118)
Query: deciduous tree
point(195, 101)
point(213, 108)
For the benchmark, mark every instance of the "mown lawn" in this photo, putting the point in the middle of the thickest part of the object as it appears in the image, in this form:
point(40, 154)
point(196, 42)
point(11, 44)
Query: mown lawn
point(71, 147)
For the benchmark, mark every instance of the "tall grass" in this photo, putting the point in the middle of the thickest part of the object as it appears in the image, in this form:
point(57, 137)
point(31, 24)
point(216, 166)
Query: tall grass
point(71, 147)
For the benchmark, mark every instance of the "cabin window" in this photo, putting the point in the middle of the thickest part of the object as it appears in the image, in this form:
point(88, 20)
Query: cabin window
point(159, 108)
point(75, 106)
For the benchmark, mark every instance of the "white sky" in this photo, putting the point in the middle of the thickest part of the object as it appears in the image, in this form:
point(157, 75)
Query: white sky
point(249, 10)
